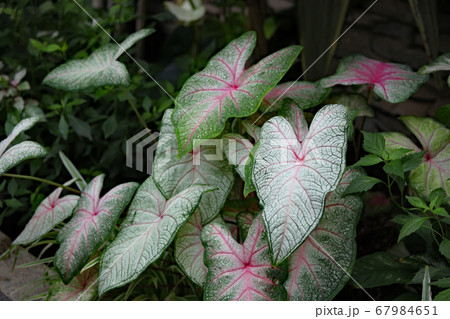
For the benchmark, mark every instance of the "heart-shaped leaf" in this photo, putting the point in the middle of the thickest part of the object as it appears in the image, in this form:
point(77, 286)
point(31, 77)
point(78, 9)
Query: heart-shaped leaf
point(237, 150)
point(148, 229)
point(189, 250)
point(82, 288)
point(19, 153)
point(304, 94)
point(442, 63)
point(98, 69)
point(292, 178)
point(392, 82)
point(204, 165)
point(91, 225)
point(49, 213)
point(226, 89)
point(319, 268)
point(240, 272)
point(434, 172)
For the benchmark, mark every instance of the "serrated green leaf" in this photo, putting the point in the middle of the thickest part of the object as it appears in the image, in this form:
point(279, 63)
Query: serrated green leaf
point(394, 168)
point(81, 127)
point(292, 178)
point(442, 283)
point(417, 202)
point(330, 250)
point(91, 225)
point(201, 166)
point(374, 143)
point(412, 225)
point(412, 161)
point(368, 160)
point(443, 296)
point(226, 89)
point(444, 248)
point(361, 184)
point(148, 229)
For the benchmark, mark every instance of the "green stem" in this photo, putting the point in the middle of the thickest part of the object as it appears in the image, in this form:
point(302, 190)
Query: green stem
point(133, 106)
point(37, 179)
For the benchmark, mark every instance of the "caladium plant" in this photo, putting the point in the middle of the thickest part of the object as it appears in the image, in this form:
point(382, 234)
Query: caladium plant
point(226, 89)
point(292, 176)
point(434, 171)
point(92, 224)
point(298, 243)
point(442, 63)
point(392, 82)
point(22, 151)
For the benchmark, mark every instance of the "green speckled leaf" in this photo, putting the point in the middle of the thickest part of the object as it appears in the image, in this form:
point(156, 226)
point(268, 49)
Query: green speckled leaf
point(392, 82)
point(292, 178)
point(240, 272)
point(148, 229)
point(98, 69)
point(226, 89)
point(315, 271)
point(91, 225)
point(19, 153)
point(22, 126)
point(50, 212)
point(173, 175)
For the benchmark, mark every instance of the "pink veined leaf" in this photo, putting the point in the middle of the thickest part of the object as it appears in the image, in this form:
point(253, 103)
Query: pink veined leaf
point(392, 82)
point(240, 272)
point(237, 150)
point(292, 178)
point(291, 112)
point(82, 288)
point(91, 225)
point(50, 212)
point(434, 172)
point(252, 130)
point(204, 165)
point(226, 89)
point(319, 268)
point(189, 250)
point(304, 94)
point(149, 228)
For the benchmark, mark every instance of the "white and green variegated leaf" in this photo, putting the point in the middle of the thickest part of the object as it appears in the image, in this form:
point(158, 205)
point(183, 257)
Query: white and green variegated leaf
point(442, 63)
point(82, 288)
point(224, 89)
point(187, 10)
point(73, 171)
point(91, 225)
point(319, 268)
point(292, 178)
point(99, 69)
point(240, 272)
point(204, 165)
point(291, 112)
point(19, 153)
point(237, 150)
point(189, 250)
point(304, 94)
point(50, 212)
point(434, 172)
point(148, 229)
point(22, 126)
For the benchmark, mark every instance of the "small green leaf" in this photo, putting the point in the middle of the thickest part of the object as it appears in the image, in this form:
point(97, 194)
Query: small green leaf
point(443, 296)
point(81, 127)
point(444, 248)
point(374, 143)
point(442, 283)
point(109, 126)
point(368, 160)
point(437, 197)
point(63, 127)
point(417, 202)
point(412, 161)
point(443, 114)
point(394, 168)
point(440, 211)
point(398, 153)
point(412, 225)
point(361, 184)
